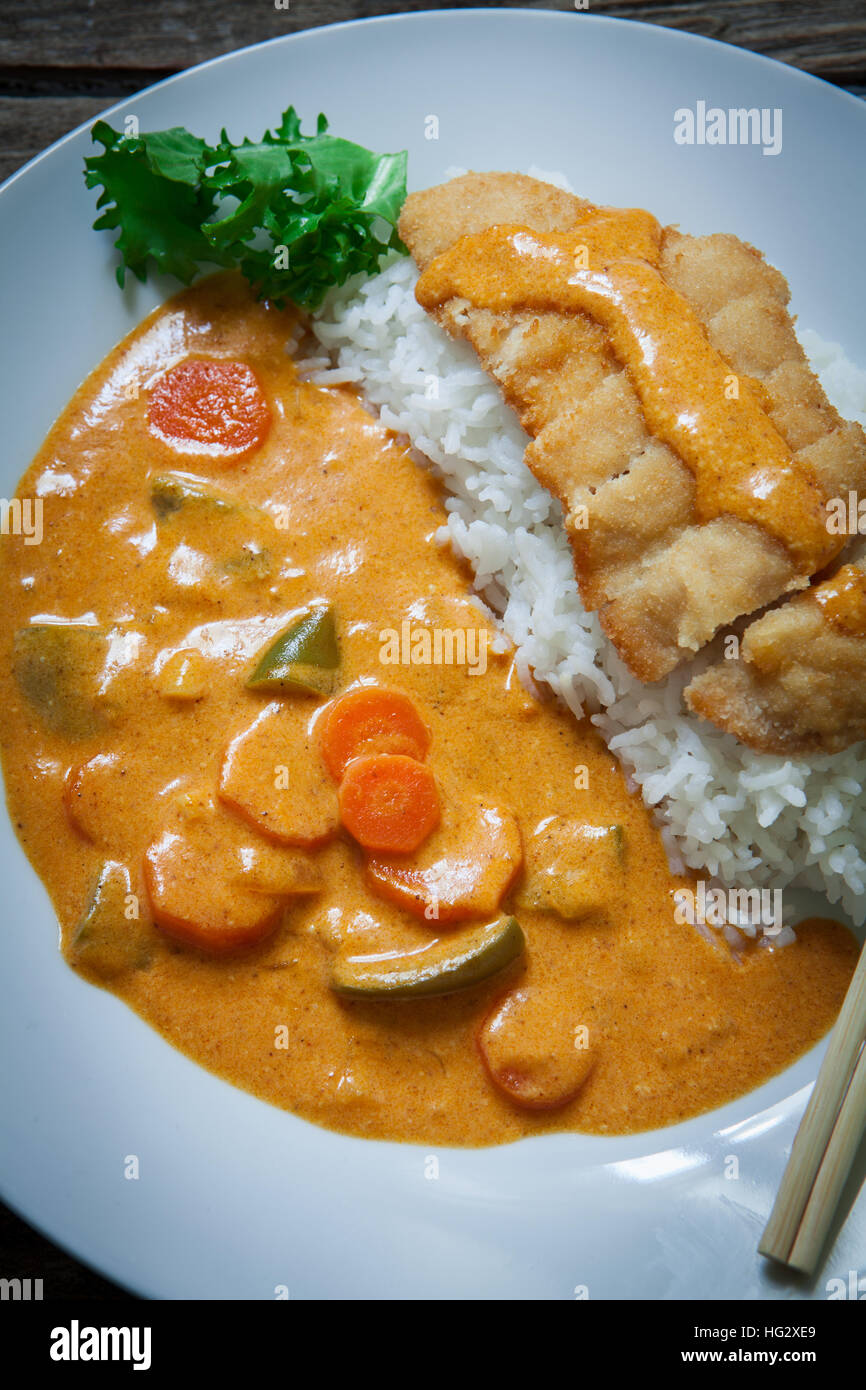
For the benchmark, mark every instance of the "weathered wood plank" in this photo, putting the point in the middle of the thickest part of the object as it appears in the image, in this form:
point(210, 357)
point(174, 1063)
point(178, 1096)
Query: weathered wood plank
point(164, 35)
point(28, 125)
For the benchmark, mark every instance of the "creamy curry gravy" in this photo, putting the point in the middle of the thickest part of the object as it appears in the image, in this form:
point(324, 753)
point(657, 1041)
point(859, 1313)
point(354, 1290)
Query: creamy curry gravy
point(677, 1025)
point(843, 600)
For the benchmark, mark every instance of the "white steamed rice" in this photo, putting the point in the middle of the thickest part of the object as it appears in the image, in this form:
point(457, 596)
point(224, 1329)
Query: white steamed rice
point(745, 819)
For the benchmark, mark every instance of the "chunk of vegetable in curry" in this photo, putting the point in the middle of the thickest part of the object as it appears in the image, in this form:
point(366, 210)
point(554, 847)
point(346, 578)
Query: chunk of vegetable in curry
point(534, 1053)
point(273, 776)
point(573, 868)
point(110, 938)
point(59, 668)
point(210, 406)
point(369, 720)
point(174, 494)
point(183, 676)
point(210, 539)
point(303, 660)
point(458, 962)
point(215, 886)
point(463, 871)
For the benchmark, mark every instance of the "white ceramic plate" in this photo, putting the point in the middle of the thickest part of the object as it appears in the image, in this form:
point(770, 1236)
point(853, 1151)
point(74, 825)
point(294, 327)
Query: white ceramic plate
point(234, 1197)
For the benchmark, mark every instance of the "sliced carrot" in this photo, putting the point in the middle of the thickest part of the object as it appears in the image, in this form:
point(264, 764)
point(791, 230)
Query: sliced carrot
point(389, 802)
point(371, 720)
point(464, 871)
point(272, 776)
point(538, 1057)
point(209, 406)
point(216, 885)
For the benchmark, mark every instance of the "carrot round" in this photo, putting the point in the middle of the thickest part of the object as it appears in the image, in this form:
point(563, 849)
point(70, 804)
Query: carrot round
point(389, 802)
point(530, 1050)
point(464, 870)
point(214, 884)
point(196, 903)
point(296, 807)
point(371, 720)
point(209, 406)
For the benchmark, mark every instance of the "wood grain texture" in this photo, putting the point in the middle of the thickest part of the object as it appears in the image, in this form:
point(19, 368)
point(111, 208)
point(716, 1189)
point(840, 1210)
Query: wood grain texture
point(160, 36)
point(28, 126)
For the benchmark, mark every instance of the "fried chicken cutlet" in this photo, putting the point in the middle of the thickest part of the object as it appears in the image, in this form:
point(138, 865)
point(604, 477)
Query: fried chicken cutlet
point(798, 686)
point(669, 403)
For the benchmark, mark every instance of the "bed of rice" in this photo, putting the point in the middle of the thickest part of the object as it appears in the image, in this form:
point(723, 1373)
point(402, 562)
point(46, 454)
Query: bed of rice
point(741, 818)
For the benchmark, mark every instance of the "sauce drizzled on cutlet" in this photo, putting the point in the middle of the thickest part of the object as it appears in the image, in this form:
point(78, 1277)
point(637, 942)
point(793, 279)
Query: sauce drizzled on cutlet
point(714, 420)
point(843, 600)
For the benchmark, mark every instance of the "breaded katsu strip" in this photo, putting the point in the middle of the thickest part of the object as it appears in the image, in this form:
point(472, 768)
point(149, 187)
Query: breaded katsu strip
point(799, 684)
point(663, 580)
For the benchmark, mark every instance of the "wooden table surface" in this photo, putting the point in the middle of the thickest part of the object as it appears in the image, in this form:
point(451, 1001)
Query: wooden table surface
point(61, 64)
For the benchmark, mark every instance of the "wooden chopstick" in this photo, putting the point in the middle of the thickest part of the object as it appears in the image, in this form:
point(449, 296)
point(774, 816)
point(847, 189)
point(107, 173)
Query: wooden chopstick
point(807, 1197)
point(844, 1142)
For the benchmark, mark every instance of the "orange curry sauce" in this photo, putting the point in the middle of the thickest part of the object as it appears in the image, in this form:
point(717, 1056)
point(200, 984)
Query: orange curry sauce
point(330, 508)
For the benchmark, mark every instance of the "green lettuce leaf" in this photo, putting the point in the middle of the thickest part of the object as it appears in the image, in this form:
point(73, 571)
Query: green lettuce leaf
point(295, 213)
